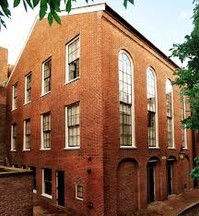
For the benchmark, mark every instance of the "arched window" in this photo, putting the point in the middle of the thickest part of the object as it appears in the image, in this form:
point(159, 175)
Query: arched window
point(126, 100)
point(152, 108)
point(169, 113)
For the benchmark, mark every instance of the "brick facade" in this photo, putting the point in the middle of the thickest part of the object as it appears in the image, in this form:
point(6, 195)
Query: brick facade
point(114, 179)
point(15, 192)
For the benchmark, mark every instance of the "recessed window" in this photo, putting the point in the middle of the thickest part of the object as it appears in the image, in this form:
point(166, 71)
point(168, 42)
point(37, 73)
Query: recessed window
point(46, 131)
point(73, 126)
point(126, 101)
point(13, 137)
point(183, 116)
point(33, 169)
point(28, 88)
point(46, 77)
point(169, 114)
point(152, 108)
point(79, 192)
point(47, 183)
point(14, 96)
point(27, 134)
point(72, 59)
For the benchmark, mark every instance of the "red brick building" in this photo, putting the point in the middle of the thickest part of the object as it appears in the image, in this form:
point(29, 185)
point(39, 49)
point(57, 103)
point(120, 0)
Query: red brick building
point(92, 111)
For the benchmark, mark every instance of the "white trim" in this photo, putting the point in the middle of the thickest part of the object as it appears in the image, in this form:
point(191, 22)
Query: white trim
point(66, 69)
point(24, 137)
point(79, 198)
point(184, 130)
point(133, 146)
point(11, 147)
point(43, 187)
point(42, 148)
point(42, 77)
point(25, 93)
point(128, 147)
point(156, 109)
point(14, 106)
point(84, 9)
point(172, 107)
point(67, 147)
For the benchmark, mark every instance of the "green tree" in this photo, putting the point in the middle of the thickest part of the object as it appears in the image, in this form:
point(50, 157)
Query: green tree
point(51, 8)
point(187, 78)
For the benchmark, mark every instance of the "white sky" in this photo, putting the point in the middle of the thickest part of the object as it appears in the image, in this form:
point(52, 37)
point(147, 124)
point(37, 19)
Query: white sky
point(163, 22)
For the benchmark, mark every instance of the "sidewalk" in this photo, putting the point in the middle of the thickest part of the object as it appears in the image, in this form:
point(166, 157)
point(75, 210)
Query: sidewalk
point(173, 206)
point(170, 207)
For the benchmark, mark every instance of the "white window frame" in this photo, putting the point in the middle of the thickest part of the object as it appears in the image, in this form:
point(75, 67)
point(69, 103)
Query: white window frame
point(42, 89)
point(12, 140)
point(14, 99)
point(66, 128)
point(156, 111)
point(133, 146)
point(24, 140)
point(42, 136)
point(76, 192)
point(172, 107)
point(67, 66)
point(26, 77)
point(43, 185)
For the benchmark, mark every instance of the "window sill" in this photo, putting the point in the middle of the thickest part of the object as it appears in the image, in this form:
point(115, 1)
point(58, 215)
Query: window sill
point(45, 94)
point(26, 103)
point(171, 148)
point(155, 147)
point(45, 149)
point(80, 199)
point(72, 148)
point(26, 150)
point(47, 195)
point(73, 80)
point(128, 147)
point(13, 150)
point(34, 191)
point(13, 109)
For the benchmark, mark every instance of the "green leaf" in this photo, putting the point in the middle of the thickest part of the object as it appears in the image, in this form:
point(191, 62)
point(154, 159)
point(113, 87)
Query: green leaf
point(68, 5)
point(6, 11)
point(50, 19)
point(25, 6)
point(29, 3)
point(126, 1)
point(35, 3)
point(56, 17)
point(16, 3)
point(43, 9)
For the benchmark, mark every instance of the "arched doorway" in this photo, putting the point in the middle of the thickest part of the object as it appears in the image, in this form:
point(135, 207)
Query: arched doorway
point(127, 187)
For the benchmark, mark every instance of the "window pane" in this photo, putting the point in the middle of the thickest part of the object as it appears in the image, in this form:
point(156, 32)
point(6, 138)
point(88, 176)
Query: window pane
point(125, 125)
point(151, 107)
point(73, 59)
point(73, 125)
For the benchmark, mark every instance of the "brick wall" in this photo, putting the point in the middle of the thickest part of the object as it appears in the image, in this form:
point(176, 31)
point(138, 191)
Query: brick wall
point(99, 162)
point(15, 192)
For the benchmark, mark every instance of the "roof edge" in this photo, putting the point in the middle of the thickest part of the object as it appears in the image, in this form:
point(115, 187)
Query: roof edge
point(109, 10)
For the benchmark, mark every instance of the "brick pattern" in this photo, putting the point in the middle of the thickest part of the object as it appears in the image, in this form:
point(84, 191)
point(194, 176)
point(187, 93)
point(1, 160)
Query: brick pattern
point(97, 164)
point(16, 194)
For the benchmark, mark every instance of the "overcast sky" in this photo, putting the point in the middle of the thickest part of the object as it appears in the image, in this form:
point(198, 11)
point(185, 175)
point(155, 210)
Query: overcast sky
point(163, 22)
